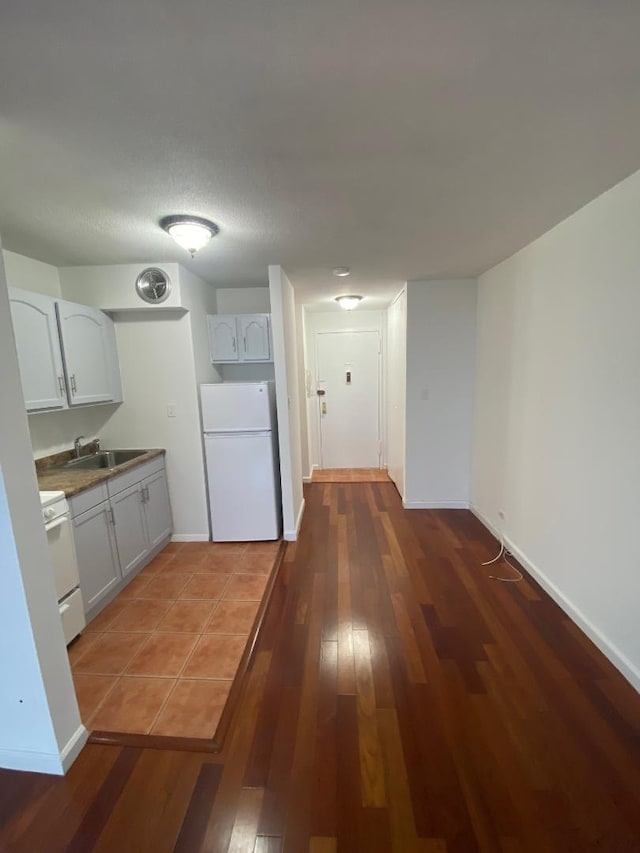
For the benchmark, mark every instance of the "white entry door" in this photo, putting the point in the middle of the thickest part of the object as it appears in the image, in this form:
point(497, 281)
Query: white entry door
point(349, 410)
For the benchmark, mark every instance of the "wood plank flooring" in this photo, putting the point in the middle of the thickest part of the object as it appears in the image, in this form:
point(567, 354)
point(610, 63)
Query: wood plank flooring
point(397, 700)
point(350, 475)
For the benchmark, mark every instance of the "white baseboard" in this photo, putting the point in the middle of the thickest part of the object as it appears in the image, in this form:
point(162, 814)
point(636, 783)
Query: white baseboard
point(45, 762)
point(190, 537)
point(608, 649)
point(32, 762)
point(310, 477)
point(292, 535)
point(73, 748)
point(485, 521)
point(435, 504)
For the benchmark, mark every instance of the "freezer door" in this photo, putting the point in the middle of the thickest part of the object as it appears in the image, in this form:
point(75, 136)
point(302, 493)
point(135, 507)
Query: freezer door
point(236, 406)
point(242, 487)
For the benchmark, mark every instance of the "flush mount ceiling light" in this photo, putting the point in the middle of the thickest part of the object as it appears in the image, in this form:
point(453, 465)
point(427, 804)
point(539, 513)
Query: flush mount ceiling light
point(190, 232)
point(348, 302)
point(341, 272)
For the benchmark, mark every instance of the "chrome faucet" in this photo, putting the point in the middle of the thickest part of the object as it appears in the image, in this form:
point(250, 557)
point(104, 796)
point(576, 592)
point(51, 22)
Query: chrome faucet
point(77, 445)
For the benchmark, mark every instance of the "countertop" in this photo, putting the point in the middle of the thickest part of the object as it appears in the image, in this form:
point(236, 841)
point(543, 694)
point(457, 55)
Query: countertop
point(73, 482)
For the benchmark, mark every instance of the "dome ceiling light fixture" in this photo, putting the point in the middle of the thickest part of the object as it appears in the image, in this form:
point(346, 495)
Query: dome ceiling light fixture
point(191, 232)
point(348, 301)
point(341, 272)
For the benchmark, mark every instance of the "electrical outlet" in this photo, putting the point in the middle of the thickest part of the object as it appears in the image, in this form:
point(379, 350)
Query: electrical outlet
point(501, 514)
point(172, 411)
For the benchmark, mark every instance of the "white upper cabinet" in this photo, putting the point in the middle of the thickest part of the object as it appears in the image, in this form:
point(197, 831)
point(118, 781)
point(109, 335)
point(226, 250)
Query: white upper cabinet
point(223, 338)
point(239, 337)
point(90, 354)
point(39, 355)
point(253, 334)
point(67, 352)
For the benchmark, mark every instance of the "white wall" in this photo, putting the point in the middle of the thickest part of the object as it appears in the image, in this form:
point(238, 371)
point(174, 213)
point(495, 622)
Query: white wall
point(200, 299)
point(163, 356)
point(439, 392)
point(283, 325)
point(157, 366)
point(301, 345)
point(40, 727)
point(315, 323)
point(53, 432)
point(395, 372)
point(243, 300)
point(558, 415)
point(29, 274)
point(112, 286)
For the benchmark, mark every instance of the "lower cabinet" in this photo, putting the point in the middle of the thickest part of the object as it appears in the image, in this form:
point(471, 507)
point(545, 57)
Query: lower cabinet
point(157, 509)
point(98, 564)
point(126, 524)
point(130, 528)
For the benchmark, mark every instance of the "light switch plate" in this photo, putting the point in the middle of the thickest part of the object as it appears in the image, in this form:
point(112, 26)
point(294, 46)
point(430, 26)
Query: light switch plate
point(172, 411)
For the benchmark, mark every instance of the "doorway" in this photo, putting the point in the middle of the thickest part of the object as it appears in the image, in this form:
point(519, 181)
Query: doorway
point(348, 387)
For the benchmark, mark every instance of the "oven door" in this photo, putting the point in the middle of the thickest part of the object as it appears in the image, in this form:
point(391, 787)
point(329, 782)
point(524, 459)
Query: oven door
point(63, 555)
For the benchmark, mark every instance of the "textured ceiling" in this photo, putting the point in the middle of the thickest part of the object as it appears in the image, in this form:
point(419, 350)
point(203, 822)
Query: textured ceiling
point(407, 140)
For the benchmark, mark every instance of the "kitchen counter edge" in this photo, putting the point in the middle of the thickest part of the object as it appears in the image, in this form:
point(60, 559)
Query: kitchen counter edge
point(74, 482)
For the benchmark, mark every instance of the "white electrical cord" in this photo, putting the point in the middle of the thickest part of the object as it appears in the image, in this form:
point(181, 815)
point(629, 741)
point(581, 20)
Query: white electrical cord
point(504, 554)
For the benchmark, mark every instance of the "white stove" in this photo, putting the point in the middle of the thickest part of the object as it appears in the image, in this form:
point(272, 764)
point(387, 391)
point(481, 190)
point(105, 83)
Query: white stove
point(53, 504)
point(47, 497)
point(57, 523)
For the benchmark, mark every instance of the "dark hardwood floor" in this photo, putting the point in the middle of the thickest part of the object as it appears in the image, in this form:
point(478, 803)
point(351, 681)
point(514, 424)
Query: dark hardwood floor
point(397, 700)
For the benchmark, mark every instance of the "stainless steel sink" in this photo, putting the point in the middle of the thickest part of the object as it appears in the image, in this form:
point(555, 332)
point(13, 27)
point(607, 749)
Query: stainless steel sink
point(97, 461)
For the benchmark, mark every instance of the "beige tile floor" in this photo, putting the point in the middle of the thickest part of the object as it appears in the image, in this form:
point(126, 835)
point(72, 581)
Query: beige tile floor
point(160, 659)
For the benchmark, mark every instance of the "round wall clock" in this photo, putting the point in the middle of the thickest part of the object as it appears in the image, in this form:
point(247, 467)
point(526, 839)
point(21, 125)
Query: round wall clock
point(153, 285)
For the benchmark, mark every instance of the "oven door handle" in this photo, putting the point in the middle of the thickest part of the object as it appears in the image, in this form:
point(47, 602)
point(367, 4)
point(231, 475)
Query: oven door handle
point(57, 523)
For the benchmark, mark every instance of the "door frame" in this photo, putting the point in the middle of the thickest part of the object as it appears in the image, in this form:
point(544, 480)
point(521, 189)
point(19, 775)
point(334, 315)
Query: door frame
point(380, 376)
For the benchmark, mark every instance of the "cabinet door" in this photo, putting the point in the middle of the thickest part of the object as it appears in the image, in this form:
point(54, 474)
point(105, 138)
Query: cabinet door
point(223, 338)
point(130, 529)
point(88, 349)
point(253, 332)
point(38, 345)
point(157, 508)
point(96, 551)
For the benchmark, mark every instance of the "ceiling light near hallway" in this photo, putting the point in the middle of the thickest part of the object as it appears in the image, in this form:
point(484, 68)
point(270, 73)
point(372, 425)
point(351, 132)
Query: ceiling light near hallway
point(341, 272)
point(191, 232)
point(348, 302)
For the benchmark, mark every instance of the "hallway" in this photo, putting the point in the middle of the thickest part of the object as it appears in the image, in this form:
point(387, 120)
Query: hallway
point(397, 700)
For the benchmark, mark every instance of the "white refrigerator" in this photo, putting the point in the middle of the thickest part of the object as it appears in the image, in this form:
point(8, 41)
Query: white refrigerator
point(241, 451)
